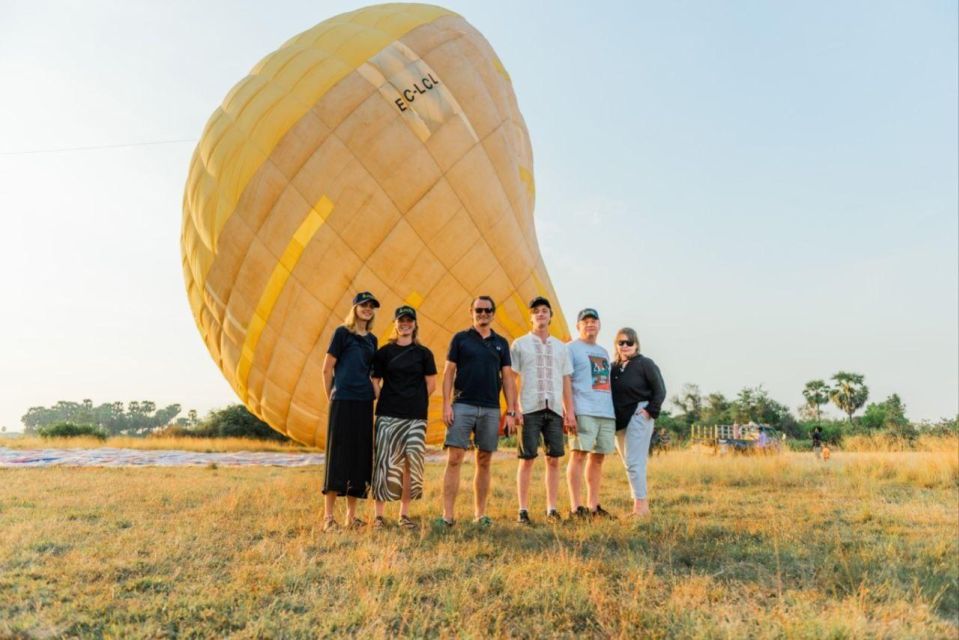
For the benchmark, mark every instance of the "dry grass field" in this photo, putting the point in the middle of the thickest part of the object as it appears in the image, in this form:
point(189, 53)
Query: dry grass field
point(863, 546)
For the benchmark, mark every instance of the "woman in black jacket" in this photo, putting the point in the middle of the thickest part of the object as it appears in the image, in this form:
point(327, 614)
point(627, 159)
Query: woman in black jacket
point(638, 395)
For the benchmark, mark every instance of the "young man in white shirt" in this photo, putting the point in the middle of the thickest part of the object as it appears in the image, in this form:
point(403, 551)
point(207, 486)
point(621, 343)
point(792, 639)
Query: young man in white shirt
point(545, 409)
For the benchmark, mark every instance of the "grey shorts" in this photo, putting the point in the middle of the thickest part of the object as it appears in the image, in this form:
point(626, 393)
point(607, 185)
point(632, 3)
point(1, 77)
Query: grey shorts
point(482, 423)
point(543, 426)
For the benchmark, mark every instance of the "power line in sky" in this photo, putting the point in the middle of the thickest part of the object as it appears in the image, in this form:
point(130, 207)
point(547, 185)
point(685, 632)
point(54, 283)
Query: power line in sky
point(95, 147)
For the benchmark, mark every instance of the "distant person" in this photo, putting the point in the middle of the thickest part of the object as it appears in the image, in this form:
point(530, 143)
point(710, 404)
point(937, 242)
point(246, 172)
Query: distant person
point(817, 441)
point(404, 371)
point(477, 367)
point(595, 434)
point(544, 410)
point(349, 436)
point(638, 395)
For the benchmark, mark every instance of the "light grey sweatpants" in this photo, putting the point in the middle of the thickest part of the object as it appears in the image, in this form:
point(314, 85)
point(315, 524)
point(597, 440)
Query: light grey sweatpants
point(633, 446)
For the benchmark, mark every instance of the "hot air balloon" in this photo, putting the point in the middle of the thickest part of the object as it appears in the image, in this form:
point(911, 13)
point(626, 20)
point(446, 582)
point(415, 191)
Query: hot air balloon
point(381, 150)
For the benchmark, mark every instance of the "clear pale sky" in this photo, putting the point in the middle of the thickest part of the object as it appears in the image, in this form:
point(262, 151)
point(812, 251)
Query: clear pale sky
point(767, 191)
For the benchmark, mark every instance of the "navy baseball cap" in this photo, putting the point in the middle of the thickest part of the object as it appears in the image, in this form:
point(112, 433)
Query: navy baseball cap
point(405, 310)
point(365, 296)
point(538, 300)
point(587, 313)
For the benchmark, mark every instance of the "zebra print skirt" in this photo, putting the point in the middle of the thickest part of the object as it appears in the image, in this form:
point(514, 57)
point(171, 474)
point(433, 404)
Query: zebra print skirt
point(398, 439)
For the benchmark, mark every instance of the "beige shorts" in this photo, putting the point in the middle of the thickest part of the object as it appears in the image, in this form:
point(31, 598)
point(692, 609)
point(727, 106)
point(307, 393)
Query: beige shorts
point(596, 435)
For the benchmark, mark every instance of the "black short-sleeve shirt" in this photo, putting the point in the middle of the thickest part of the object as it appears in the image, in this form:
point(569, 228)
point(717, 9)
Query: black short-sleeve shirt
point(351, 373)
point(403, 371)
point(479, 363)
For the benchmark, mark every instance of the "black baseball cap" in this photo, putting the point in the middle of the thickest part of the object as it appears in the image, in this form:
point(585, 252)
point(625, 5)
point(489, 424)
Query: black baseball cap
point(538, 300)
point(365, 296)
point(405, 310)
point(587, 313)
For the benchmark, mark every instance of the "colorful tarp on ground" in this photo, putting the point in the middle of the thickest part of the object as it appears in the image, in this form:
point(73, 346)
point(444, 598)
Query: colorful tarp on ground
point(106, 457)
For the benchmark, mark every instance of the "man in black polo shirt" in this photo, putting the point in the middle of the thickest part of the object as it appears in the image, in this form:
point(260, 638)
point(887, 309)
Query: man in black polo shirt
point(477, 366)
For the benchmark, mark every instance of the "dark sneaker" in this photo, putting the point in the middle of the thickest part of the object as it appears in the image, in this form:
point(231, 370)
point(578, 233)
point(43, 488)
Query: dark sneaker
point(405, 523)
point(483, 521)
point(523, 518)
point(602, 513)
point(356, 524)
point(443, 524)
point(581, 513)
point(379, 522)
point(553, 517)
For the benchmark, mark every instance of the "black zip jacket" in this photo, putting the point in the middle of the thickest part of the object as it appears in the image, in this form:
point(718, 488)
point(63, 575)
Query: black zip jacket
point(639, 380)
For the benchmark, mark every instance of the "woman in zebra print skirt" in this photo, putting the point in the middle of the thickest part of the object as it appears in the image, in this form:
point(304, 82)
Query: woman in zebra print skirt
point(404, 371)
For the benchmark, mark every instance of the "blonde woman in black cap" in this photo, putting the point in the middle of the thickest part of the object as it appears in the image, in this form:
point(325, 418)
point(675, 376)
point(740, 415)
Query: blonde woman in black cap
point(404, 371)
point(349, 436)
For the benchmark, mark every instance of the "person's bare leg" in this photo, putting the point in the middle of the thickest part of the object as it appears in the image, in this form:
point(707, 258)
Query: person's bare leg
point(524, 472)
point(574, 478)
point(481, 482)
point(552, 482)
point(379, 508)
point(405, 497)
point(594, 477)
point(451, 480)
point(329, 504)
point(350, 509)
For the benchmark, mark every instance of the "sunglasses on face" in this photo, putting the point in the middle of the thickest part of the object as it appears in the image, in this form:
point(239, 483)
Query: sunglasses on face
point(486, 310)
point(626, 343)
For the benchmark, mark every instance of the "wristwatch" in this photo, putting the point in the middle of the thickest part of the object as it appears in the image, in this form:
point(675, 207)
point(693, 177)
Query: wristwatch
point(511, 414)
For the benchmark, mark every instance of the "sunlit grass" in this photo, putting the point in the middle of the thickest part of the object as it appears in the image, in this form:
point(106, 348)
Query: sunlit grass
point(864, 545)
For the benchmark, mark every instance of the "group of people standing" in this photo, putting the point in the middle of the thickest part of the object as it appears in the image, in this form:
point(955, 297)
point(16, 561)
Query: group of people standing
point(555, 393)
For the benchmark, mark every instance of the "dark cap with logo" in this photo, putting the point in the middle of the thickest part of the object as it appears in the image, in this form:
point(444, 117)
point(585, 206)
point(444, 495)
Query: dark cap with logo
point(365, 296)
point(587, 313)
point(540, 300)
point(405, 310)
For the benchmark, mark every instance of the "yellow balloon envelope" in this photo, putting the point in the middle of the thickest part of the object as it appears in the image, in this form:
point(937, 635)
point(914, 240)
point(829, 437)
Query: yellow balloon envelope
point(381, 150)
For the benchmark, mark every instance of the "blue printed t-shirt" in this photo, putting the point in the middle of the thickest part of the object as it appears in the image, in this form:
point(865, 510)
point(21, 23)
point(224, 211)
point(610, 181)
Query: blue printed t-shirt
point(354, 356)
point(592, 395)
point(479, 362)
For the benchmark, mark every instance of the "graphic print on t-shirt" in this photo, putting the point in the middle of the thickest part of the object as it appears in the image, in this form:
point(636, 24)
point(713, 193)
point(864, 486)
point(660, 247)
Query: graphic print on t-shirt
point(599, 367)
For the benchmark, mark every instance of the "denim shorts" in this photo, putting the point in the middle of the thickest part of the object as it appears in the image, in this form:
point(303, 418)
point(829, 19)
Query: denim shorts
point(482, 423)
point(545, 426)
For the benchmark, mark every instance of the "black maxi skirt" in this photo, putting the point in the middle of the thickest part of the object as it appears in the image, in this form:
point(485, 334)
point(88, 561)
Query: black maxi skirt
point(349, 448)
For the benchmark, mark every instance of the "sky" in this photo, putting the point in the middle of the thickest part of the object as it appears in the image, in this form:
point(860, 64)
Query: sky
point(768, 192)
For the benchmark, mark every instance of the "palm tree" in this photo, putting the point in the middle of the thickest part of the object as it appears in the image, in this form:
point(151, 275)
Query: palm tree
point(849, 393)
point(816, 394)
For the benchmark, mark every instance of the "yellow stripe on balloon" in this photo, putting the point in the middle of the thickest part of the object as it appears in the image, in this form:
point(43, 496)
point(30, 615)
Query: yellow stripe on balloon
point(274, 287)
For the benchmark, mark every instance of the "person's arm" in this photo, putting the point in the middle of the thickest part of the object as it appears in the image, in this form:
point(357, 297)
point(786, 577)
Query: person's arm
point(655, 380)
point(377, 387)
point(328, 363)
point(449, 372)
point(509, 390)
point(569, 412)
point(430, 385)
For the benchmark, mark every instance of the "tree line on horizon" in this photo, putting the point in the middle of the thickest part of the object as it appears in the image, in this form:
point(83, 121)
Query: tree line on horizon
point(847, 391)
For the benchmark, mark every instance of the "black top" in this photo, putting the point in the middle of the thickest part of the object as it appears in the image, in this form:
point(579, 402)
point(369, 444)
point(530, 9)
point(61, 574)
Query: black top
point(403, 370)
point(639, 380)
point(817, 437)
point(479, 367)
point(351, 373)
